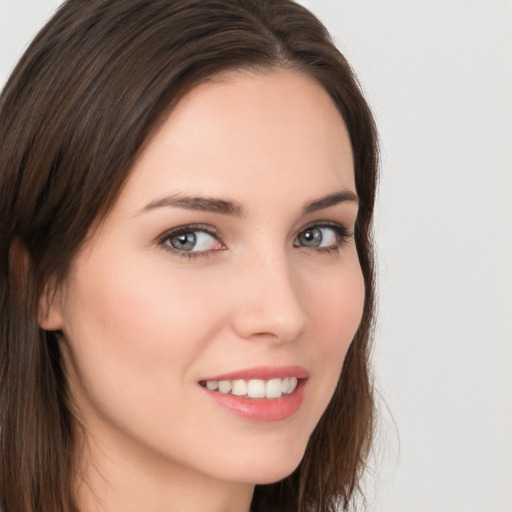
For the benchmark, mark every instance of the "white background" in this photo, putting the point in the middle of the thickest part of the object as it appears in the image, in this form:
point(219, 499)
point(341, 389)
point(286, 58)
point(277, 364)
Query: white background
point(438, 75)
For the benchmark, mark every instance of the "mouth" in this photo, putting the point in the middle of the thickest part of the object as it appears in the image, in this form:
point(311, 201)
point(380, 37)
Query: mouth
point(259, 394)
point(253, 388)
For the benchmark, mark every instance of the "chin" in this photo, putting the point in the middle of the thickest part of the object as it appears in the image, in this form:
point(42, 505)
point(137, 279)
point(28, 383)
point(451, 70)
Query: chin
point(270, 467)
point(272, 476)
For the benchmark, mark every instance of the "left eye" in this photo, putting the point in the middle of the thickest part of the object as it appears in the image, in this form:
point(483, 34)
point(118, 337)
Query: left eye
point(320, 237)
point(192, 240)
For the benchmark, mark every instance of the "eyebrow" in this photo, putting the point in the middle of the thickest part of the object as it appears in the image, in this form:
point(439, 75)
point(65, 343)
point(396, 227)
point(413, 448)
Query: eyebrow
point(330, 200)
point(199, 203)
point(235, 209)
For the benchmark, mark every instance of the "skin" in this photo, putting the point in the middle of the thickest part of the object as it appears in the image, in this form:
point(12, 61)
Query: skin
point(143, 324)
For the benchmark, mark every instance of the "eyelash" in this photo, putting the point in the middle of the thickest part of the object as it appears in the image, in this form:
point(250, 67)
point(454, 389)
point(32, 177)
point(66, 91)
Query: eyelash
point(342, 236)
point(341, 232)
point(184, 230)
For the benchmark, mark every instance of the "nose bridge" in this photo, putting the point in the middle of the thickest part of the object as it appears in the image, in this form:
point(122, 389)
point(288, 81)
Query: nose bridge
point(269, 303)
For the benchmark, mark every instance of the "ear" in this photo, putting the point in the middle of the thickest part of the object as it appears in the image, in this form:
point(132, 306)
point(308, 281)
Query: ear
point(49, 313)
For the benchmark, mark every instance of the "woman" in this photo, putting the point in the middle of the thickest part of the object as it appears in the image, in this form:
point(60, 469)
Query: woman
point(186, 190)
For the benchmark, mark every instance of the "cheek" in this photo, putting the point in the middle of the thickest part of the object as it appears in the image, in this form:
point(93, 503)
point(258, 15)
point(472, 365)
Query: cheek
point(133, 339)
point(336, 309)
point(143, 314)
point(336, 303)
point(133, 336)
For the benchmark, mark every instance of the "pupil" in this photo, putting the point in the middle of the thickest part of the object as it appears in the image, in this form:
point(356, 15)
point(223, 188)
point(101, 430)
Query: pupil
point(312, 237)
point(184, 242)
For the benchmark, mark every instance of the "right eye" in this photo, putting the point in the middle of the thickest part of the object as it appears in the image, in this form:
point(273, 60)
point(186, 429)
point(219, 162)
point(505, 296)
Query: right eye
point(191, 240)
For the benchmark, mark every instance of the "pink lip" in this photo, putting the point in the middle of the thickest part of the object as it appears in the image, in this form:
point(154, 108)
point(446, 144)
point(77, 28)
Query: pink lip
point(262, 409)
point(264, 373)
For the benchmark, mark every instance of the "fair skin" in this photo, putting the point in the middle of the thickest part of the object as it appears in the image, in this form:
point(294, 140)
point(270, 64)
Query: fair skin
point(271, 281)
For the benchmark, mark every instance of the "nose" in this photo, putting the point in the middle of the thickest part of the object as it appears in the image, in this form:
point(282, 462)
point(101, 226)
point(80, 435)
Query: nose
point(268, 301)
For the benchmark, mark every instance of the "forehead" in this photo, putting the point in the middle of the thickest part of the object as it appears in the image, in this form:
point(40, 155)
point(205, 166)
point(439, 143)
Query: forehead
point(248, 130)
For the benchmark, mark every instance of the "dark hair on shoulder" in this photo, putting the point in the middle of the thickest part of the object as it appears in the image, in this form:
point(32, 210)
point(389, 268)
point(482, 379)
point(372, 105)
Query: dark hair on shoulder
point(92, 87)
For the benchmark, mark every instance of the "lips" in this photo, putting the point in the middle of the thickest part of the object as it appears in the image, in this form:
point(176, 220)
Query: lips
point(259, 394)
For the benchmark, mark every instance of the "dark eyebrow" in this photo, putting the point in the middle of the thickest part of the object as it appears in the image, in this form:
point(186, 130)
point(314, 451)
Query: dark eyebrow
point(330, 200)
point(224, 207)
point(203, 204)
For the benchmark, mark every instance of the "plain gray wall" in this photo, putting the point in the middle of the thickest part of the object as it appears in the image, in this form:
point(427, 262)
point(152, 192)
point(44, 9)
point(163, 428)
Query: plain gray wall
point(438, 75)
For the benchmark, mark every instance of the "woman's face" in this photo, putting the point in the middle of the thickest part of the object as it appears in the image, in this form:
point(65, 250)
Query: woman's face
point(228, 257)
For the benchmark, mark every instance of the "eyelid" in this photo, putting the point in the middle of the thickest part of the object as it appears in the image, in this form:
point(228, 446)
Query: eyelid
point(339, 226)
point(189, 228)
point(341, 231)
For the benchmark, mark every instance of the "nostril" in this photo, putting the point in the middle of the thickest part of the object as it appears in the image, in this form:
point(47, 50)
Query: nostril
point(266, 323)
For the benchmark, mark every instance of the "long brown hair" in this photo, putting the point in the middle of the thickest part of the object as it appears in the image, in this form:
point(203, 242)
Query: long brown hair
point(87, 94)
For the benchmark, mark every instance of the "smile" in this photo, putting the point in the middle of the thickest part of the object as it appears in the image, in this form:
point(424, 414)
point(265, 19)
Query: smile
point(253, 388)
point(261, 394)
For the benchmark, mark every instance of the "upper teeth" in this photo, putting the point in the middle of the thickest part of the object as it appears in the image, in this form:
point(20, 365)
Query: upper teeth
point(254, 388)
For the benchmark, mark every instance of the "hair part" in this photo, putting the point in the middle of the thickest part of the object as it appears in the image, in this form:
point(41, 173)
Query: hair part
point(86, 96)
